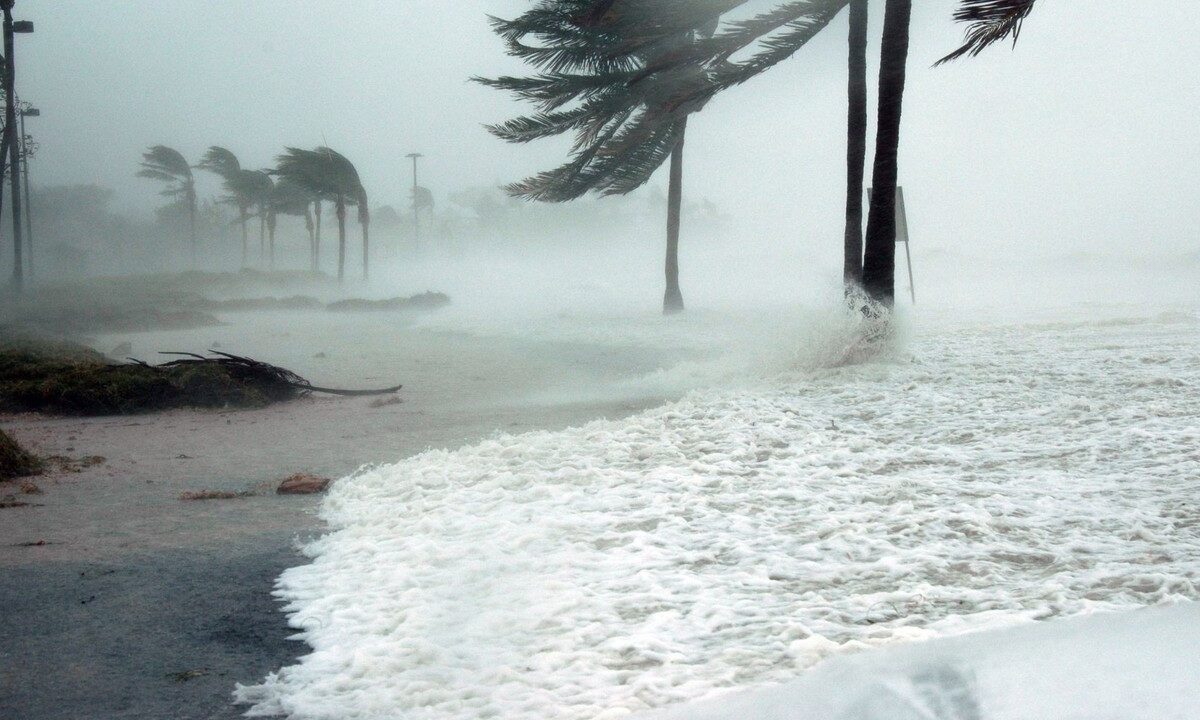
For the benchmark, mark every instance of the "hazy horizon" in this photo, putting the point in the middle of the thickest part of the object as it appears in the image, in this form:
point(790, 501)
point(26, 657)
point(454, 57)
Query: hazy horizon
point(1052, 147)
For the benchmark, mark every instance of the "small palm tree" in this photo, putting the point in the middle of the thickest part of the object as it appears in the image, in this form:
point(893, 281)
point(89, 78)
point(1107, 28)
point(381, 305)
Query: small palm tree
point(289, 198)
point(242, 186)
point(168, 165)
point(261, 187)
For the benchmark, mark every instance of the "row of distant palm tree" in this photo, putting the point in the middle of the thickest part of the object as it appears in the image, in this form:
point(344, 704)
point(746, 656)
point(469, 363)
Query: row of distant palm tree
point(299, 185)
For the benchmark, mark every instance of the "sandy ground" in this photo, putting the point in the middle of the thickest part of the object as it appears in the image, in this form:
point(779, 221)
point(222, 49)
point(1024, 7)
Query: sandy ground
point(119, 600)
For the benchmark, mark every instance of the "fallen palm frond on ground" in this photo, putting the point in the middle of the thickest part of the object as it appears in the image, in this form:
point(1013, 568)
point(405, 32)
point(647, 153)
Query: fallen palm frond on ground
point(43, 379)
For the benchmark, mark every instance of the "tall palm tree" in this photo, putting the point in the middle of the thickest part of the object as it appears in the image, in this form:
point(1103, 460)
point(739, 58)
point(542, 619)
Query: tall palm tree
point(856, 144)
point(242, 186)
point(879, 259)
point(326, 173)
point(168, 165)
point(599, 50)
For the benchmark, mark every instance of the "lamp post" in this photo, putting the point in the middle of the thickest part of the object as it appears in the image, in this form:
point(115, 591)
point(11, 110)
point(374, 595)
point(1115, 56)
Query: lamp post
point(10, 133)
point(26, 151)
point(415, 201)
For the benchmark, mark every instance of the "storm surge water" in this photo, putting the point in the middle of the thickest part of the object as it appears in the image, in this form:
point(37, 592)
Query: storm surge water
point(970, 477)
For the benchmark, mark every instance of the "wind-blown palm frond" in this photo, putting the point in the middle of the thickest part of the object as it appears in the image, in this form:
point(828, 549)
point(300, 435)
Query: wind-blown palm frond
point(220, 161)
point(167, 165)
point(622, 73)
point(991, 21)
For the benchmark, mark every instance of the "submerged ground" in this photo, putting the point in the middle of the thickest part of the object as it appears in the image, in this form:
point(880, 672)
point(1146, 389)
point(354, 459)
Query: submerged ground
point(140, 605)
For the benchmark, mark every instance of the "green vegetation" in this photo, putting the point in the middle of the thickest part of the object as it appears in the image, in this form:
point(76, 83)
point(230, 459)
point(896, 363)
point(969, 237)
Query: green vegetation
point(15, 461)
point(63, 378)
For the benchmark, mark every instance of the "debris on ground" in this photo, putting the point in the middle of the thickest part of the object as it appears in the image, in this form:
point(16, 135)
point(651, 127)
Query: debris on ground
point(384, 402)
point(185, 675)
point(63, 378)
point(216, 494)
point(303, 484)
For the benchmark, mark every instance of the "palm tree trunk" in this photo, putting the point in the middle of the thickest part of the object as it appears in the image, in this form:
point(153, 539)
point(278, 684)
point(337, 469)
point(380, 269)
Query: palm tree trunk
point(316, 259)
point(673, 298)
point(340, 207)
point(271, 220)
point(856, 145)
point(262, 234)
point(244, 216)
point(366, 226)
point(879, 262)
point(312, 238)
point(191, 200)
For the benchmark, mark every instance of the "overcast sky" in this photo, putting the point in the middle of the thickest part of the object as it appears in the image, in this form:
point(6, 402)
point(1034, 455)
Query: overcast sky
point(1084, 136)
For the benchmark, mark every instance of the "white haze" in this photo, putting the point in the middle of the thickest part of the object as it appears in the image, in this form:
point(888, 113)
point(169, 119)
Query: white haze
point(1080, 140)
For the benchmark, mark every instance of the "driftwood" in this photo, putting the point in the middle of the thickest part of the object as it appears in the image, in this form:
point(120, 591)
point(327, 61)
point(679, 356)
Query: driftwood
point(262, 374)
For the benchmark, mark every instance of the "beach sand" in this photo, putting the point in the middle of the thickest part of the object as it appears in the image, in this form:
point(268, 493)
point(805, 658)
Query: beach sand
point(119, 600)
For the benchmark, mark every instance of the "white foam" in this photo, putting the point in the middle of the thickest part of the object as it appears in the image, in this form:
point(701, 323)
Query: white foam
point(738, 537)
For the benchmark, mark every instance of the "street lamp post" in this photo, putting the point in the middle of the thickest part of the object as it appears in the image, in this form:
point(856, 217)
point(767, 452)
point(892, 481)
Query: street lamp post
point(415, 201)
point(10, 133)
point(26, 151)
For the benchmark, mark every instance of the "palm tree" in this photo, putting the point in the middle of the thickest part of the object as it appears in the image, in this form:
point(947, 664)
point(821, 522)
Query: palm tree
point(326, 173)
point(289, 198)
point(261, 187)
point(242, 186)
point(168, 165)
point(856, 144)
point(879, 259)
point(623, 135)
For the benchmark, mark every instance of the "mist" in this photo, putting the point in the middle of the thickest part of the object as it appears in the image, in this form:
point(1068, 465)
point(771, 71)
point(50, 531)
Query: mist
point(267, 378)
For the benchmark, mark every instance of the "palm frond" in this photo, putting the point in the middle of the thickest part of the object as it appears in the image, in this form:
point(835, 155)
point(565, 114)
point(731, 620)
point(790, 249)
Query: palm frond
point(991, 21)
point(221, 161)
point(164, 163)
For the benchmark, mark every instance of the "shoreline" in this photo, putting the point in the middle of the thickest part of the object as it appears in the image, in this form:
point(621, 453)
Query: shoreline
point(142, 605)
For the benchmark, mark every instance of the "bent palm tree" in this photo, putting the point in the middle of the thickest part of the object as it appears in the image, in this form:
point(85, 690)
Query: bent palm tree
point(325, 173)
point(594, 55)
point(241, 185)
point(168, 165)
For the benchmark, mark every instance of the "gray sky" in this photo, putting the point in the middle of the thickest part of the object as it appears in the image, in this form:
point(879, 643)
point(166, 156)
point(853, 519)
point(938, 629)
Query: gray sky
point(1084, 136)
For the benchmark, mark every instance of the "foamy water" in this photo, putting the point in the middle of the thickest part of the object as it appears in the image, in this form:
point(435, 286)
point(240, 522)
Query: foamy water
point(976, 477)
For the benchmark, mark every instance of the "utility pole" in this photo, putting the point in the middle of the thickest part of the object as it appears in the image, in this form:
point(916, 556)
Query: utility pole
point(415, 201)
point(10, 134)
point(26, 151)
